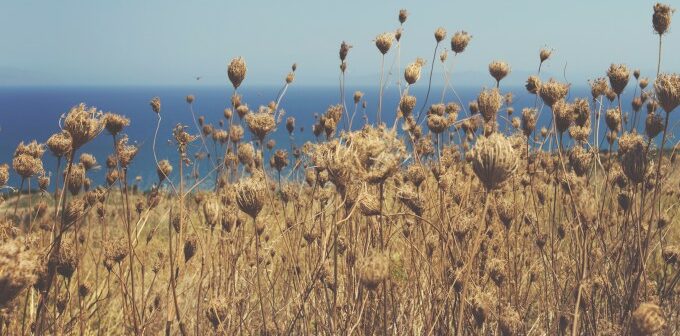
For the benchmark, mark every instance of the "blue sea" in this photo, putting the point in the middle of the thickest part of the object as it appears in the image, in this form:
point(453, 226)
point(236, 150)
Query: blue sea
point(33, 113)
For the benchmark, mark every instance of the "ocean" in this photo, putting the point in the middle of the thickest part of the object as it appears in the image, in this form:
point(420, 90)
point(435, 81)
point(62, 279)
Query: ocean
point(33, 113)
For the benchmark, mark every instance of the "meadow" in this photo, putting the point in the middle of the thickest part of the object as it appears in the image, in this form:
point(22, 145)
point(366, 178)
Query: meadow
point(431, 217)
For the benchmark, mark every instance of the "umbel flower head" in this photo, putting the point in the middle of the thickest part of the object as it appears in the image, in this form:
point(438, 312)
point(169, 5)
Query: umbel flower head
point(412, 71)
point(83, 124)
point(237, 71)
point(459, 41)
point(155, 104)
point(552, 91)
point(632, 156)
point(498, 70)
point(384, 41)
point(618, 77)
point(250, 195)
point(440, 34)
point(59, 143)
point(115, 123)
point(494, 160)
point(260, 123)
point(489, 102)
point(667, 88)
point(661, 20)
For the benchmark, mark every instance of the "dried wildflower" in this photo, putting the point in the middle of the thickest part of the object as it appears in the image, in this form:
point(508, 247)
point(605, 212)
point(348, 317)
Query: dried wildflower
point(412, 200)
point(667, 88)
point(436, 123)
point(671, 254)
point(237, 71)
point(18, 270)
point(564, 115)
point(373, 270)
point(83, 124)
point(279, 160)
point(413, 70)
point(632, 156)
point(369, 205)
point(88, 161)
point(613, 119)
point(544, 54)
point(459, 41)
point(125, 152)
point(163, 170)
point(647, 319)
point(383, 42)
point(217, 312)
point(499, 70)
point(4, 174)
point(116, 250)
point(529, 120)
point(407, 104)
point(155, 104)
point(65, 260)
point(439, 34)
point(250, 196)
point(618, 77)
point(494, 160)
point(598, 87)
point(580, 160)
point(344, 50)
point(553, 91)
point(489, 102)
point(115, 123)
point(510, 323)
point(27, 166)
point(661, 19)
point(403, 15)
point(533, 84)
point(260, 124)
point(60, 143)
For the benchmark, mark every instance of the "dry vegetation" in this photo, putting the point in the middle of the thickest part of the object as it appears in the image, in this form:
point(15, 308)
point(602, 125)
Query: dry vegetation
point(458, 227)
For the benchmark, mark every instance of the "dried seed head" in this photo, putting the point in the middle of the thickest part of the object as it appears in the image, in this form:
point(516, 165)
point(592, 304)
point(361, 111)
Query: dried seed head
point(489, 102)
point(529, 119)
point(618, 77)
point(237, 71)
point(88, 161)
point(211, 211)
point(553, 91)
point(155, 104)
point(437, 123)
point(412, 200)
point(533, 84)
point(407, 104)
point(632, 156)
point(217, 312)
point(357, 96)
point(260, 124)
point(494, 160)
point(613, 119)
point(164, 169)
point(279, 160)
point(60, 143)
point(26, 165)
point(115, 122)
point(4, 174)
point(373, 270)
point(19, 269)
point(459, 41)
point(66, 260)
point(667, 88)
point(403, 15)
point(544, 54)
point(344, 50)
point(250, 196)
point(498, 70)
point(369, 205)
point(564, 115)
point(413, 70)
point(647, 319)
point(83, 124)
point(125, 152)
point(643, 83)
point(661, 19)
point(384, 41)
point(653, 125)
point(598, 87)
point(440, 34)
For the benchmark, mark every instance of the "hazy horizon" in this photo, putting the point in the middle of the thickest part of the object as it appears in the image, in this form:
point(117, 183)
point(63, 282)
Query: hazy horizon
point(79, 43)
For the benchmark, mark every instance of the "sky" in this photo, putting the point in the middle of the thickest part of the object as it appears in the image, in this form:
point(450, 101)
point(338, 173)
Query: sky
point(164, 42)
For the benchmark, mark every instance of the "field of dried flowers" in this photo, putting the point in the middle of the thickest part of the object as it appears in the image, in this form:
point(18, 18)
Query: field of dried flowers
point(433, 220)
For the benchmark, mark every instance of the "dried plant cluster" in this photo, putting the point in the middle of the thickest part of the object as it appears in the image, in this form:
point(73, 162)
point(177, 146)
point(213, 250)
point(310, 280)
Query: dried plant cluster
point(469, 225)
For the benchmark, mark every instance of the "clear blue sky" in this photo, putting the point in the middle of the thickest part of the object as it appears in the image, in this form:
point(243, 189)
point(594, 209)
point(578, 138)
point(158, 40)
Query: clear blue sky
point(125, 42)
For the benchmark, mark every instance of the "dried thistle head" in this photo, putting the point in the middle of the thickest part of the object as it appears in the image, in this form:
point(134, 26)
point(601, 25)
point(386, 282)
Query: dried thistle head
point(661, 19)
point(618, 77)
point(413, 70)
point(494, 160)
point(498, 70)
point(60, 143)
point(667, 88)
point(384, 41)
point(489, 102)
point(459, 41)
point(115, 122)
point(553, 91)
point(236, 71)
point(84, 124)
